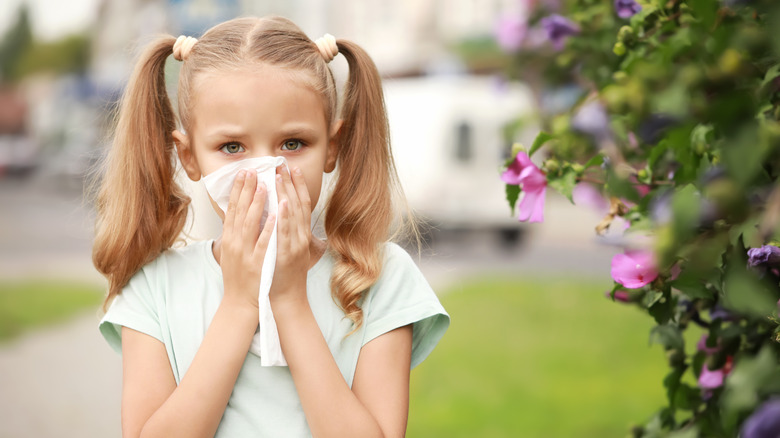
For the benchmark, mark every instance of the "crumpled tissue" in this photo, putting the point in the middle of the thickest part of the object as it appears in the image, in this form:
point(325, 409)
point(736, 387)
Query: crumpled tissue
point(219, 185)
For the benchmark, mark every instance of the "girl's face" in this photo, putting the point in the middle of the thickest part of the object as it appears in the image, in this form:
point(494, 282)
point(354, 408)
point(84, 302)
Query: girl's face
point(253, 113)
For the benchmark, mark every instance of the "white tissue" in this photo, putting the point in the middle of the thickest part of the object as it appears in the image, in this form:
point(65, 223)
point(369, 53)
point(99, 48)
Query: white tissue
point(219, 185)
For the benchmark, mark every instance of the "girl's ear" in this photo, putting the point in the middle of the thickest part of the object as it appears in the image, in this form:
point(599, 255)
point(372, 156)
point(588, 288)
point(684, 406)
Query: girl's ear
point(333, 147)
point(186, 156)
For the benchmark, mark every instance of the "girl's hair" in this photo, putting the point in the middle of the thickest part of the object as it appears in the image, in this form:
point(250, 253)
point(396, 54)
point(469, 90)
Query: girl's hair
point(141, 210)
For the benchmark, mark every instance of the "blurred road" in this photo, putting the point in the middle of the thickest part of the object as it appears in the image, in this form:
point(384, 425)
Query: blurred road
point(65, 381)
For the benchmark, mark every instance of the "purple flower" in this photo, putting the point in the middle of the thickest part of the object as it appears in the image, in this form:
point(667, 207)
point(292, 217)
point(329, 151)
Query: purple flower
point(627, 8)
point(766, 256)
point(559, 28)
point(764, 422)
point(533, 183)
point(718, 312)
point(591, 118)
point(510, 33)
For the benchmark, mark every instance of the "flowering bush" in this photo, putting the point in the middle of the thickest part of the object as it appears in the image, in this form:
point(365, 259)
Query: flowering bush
point(670, 109)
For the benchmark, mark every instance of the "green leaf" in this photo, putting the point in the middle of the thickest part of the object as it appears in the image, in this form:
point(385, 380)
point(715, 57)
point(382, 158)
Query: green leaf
point(692, 286)
point(746, 293)
point(688, 432)
point(685, 205)
point(771, 74)
point(749, 375)
point(540, 140)
point(565, 183)
point(512, 193)
point(672, 382)
point(687, 398)
point(667, 335)
point(596, 160)
point(706, 10)
point(662, 310)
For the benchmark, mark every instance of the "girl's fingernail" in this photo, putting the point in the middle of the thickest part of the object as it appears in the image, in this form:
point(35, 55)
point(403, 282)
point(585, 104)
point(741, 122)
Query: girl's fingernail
point(278, 178)
point(261, 186)
point(298, 171)
point(241, 174)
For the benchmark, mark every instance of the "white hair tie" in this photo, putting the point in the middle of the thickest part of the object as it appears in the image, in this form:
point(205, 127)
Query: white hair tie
point(182, 47)
point(327, 46)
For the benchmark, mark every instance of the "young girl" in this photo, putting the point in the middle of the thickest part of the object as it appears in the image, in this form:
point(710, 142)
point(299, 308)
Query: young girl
point(353, 312)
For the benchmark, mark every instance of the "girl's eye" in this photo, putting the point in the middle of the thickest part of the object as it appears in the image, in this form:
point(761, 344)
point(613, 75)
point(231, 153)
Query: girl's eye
point(292, 145)
point(232, 148)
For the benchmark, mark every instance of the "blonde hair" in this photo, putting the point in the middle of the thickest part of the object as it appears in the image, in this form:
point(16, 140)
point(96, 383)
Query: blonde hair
point(141, 210)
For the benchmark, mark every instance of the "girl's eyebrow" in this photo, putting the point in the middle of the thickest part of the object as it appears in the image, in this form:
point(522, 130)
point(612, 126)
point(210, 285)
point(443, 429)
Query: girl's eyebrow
point(297, 131)
point(226, 131)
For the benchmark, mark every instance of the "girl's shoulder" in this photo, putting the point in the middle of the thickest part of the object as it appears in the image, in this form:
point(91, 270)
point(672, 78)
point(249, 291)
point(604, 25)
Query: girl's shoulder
point(398, 261)
point(402, 296)
point(191, 255)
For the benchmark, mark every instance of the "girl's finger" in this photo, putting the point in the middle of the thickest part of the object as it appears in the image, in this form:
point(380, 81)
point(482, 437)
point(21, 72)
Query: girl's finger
point(245, 198)
point(230, 214)
point(299, 182)
point(283, 226)
point(291, 193)
point(262, 242)
point(254, 215)
point(284, 195)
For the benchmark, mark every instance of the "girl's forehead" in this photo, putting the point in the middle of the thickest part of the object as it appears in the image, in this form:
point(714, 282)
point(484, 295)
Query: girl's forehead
point(252, 97)
point(260, 72)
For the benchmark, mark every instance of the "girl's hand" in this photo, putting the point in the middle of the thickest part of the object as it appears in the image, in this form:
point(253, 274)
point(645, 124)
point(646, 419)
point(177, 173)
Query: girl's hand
point(293, 235)
point(243, 242)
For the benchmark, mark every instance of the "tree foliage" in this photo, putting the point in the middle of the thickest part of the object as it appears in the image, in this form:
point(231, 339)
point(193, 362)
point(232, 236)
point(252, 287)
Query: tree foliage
point(675, 120)
point(14, 45)
point(21, 55)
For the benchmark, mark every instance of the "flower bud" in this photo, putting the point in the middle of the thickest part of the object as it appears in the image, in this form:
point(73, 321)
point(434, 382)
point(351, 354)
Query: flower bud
point(730, 62)
point(619, 49)
point(626, 35)
point(517, 148)
point(552, 166)
point(620, 77)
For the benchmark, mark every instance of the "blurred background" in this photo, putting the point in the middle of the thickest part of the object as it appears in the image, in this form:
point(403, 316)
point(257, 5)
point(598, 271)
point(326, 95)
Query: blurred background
point(535, 349)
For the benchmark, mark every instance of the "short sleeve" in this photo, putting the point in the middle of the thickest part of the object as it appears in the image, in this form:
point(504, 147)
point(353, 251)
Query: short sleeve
point(135, 308)
point(401, 297)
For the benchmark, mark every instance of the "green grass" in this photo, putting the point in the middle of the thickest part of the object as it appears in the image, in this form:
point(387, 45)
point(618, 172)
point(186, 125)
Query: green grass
point(31, 303)
point(528, 358)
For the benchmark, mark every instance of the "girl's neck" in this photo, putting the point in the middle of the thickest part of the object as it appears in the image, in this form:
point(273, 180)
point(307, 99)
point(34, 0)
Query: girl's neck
point(317, 248)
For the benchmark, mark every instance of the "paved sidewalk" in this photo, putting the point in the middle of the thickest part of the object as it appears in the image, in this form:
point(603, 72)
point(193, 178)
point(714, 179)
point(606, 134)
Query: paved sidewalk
point(60, 382)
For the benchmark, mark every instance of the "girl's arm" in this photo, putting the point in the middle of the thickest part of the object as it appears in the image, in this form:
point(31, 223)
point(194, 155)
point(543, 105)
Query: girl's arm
point(152, 404)
point(377, 404)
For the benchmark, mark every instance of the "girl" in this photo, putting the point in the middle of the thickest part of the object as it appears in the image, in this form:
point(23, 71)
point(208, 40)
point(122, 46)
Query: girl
point(353, 313)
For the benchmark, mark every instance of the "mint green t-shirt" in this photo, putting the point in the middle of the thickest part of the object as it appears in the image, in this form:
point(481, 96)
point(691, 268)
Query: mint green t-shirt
point(174, 298)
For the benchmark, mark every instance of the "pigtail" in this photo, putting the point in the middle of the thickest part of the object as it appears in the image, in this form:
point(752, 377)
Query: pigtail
point(359, 212)
point(140, 209)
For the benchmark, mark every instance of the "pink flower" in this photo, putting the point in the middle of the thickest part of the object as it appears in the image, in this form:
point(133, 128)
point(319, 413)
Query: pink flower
point(510, 32)
point(620, 295)
point(712, 379)
point(587, 195)
point(634, 269)
point(702, 345)
point(533, 183)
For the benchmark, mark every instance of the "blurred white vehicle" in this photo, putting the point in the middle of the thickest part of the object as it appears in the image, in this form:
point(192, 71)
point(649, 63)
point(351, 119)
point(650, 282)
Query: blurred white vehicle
point(448, 142)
